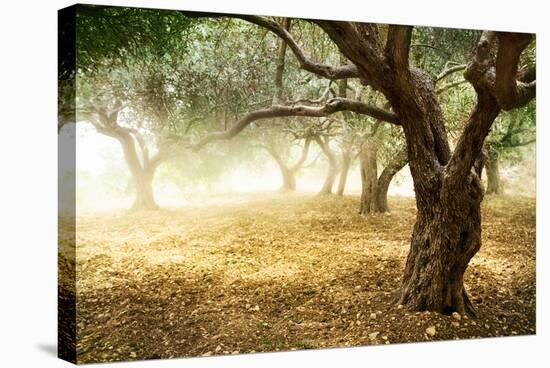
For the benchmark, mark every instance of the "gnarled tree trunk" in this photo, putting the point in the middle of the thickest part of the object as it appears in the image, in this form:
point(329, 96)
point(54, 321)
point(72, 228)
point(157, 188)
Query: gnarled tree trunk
point(374, 193)
point(446, 235)
point(447, 232)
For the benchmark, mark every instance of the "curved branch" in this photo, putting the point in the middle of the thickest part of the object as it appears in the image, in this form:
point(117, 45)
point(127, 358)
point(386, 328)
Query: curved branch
point(332, 106)
point(323, 70)
point(499, 75)
point(327, 71)
point(448, 71)
point(509, 92)
point(359, 42)
point(312, 101)
point(494, 79)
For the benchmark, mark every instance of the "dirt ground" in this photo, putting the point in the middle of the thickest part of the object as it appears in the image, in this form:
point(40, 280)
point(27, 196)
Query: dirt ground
point(282, 272)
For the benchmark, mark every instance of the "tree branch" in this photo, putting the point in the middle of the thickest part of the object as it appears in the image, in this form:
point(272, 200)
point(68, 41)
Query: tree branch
point(359, 42)
point(323, 144)
point(470, 143)
point(448, 71)
point(281, 64)
point(397, 47)
point(323, 70)
point(298, 165)
point(499, 75)
point(311, 101)
point(162, 155)
point(509, 92)
point(332, 106)
point(492, 71)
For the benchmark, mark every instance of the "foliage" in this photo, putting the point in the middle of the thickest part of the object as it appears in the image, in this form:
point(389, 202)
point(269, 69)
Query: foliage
point(511, 132)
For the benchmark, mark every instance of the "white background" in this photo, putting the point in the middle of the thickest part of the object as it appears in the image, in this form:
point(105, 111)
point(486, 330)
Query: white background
point(28, 181)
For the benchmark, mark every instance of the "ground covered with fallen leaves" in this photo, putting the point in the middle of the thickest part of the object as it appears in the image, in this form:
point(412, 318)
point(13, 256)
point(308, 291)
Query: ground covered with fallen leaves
point(277, 272)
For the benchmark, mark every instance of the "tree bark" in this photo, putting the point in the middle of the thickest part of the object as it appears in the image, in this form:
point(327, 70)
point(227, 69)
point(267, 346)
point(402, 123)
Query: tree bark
point(369, 178)
point(445, 237)
point(344, 171)
point(346, 151)
point(493, 174)
point(447, 232)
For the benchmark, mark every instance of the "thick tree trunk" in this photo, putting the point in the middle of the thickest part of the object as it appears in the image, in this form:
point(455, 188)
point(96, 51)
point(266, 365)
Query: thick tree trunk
point(448, 193)
point(369, 178)
point(493, 174)
point(344, 170)
point(141, 171)
point(395, 165)
point(447, 234)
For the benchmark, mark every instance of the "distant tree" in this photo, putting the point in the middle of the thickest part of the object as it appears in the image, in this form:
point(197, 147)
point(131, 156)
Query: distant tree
point(380, 146)
point(279, 142)
point(511, 132)
point(111, 68)
point(150, 88)
point(348, 139)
